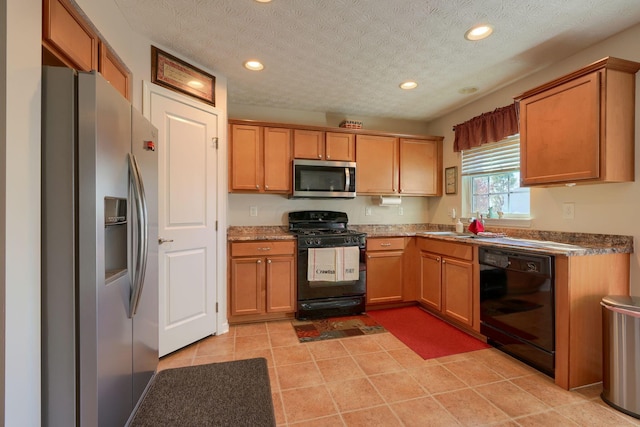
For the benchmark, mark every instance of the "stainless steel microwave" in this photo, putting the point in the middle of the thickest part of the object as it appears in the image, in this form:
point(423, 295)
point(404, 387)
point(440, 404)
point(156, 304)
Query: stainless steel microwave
point(324, 179)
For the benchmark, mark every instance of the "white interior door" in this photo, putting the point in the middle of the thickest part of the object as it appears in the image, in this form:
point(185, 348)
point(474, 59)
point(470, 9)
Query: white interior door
point(187, 157)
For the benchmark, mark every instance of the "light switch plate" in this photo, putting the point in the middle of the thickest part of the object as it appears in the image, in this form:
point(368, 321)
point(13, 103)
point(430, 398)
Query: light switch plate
point(253, 211)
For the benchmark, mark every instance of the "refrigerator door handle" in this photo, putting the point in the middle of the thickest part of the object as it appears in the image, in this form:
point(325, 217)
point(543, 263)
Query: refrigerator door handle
point(142, 230)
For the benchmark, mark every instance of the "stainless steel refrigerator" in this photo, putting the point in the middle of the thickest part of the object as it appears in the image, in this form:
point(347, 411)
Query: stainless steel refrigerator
point(99, 251)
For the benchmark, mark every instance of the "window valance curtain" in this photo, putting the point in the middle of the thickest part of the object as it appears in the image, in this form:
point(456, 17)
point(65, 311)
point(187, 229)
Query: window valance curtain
point(488, 127)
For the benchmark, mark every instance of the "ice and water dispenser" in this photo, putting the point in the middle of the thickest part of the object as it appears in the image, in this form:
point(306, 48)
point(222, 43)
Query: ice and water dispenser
point(115, 238)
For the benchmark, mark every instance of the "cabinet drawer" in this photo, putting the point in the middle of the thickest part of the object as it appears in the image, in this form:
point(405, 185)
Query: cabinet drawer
point(262, 248)
point(385, 244)
point(455, 250)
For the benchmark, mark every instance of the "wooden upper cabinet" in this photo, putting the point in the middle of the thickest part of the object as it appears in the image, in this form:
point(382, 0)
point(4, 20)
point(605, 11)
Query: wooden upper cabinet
point(377, 164)
point(308, 144)
point(318, 145)
point(245, 159)
point(260, 159)
point(580, 128)
point(69, 40)
point(66, 38)
point(340, 146)
point(420, 167)
point(114, 71)
point(277, 160)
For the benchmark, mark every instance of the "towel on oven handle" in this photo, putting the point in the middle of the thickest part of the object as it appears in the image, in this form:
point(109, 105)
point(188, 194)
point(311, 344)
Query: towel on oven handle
point(348, 263)
point(321, 265)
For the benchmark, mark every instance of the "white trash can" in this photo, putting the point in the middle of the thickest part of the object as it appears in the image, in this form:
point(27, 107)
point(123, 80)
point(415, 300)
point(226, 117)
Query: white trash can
point(621, 353)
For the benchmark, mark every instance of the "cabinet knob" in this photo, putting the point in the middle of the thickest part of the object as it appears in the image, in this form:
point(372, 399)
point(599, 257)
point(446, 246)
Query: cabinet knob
point(268, 261)
point(444, 261)
point(259, 261)
point(258, 186)
point(438, 259)
point(266, 187)
point(328, 157)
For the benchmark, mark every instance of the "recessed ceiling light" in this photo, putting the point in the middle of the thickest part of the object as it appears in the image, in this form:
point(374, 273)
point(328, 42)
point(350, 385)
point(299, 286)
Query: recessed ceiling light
point(263, 1)
point(468, 90)
point(478, 32)
point(408, 85)
point(253, 65)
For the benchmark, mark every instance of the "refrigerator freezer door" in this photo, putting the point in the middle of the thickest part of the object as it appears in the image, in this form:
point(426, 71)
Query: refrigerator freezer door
point(105, 330)
point(145, 321)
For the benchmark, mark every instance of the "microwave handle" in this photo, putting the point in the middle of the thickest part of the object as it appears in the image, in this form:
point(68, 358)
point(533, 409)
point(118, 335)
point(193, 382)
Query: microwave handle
point(347, 179)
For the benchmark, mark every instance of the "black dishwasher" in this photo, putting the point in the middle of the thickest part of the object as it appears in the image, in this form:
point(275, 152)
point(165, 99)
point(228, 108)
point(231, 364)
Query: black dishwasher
point(517, 308)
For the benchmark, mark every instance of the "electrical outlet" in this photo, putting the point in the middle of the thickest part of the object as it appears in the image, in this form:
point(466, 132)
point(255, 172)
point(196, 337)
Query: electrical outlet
point(568, 210)
point(253, 211)
point(367, 211)
point(400, 210)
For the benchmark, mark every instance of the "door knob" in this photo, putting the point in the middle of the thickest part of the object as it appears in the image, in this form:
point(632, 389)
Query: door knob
point(161, 240)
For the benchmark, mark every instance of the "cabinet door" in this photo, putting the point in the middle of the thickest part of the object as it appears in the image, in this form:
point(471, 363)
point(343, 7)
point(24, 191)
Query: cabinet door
point(430, 280)
point(280, 282)
point(114, 71)
point(457, 287)
point(340, 146)
point(277, 160)
point(308, 144)
point(247, 290)
point(377, 159)
point(384, 276)
point(67, 37)
point(560, 133)
point(420, 167)
point(245, 171)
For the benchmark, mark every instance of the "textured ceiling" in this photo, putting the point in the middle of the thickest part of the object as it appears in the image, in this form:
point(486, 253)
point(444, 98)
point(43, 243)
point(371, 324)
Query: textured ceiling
point(349, 56)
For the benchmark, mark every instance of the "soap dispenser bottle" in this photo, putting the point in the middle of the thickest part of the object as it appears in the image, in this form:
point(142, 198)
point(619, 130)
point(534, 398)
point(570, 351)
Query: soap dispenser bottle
point(459, 226)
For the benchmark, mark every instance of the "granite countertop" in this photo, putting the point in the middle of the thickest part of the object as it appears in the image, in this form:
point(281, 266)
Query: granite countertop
point(275, 232)
point(551, 242)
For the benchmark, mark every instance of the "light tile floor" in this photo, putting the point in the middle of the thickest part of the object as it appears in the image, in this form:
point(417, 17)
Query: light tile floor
point(376, 380)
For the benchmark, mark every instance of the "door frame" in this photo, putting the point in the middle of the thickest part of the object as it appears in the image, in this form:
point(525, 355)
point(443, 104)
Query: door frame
point(222, 322)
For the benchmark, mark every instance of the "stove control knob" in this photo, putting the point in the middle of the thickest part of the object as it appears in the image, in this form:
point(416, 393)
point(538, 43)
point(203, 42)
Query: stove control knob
point(309, 242)
point(318, 242)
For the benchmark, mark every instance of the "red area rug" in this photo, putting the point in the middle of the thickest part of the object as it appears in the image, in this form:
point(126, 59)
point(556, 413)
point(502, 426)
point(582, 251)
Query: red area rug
point(424, 333)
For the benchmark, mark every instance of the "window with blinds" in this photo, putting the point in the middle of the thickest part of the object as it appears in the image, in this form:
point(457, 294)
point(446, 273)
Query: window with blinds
point(491, 180)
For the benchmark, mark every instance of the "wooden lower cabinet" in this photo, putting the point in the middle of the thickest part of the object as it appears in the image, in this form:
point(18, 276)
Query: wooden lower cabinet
point(448, 283)
point(261, 281)
point(386, 270)
point(581, 282)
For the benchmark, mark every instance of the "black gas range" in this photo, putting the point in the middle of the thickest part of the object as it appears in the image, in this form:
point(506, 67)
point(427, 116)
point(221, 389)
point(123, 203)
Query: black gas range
point(326, 234)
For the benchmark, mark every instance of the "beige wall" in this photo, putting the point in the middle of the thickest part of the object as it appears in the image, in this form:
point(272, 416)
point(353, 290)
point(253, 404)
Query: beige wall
point(603, 208)
point(273, 209)
point(20, 210)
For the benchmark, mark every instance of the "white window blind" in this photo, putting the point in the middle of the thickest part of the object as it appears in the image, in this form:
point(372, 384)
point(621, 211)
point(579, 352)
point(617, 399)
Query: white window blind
point(502, 156)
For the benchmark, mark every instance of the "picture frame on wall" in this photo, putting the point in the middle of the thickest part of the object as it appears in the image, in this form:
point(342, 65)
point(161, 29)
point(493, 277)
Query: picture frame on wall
point(451, 180)
point(177, 75)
